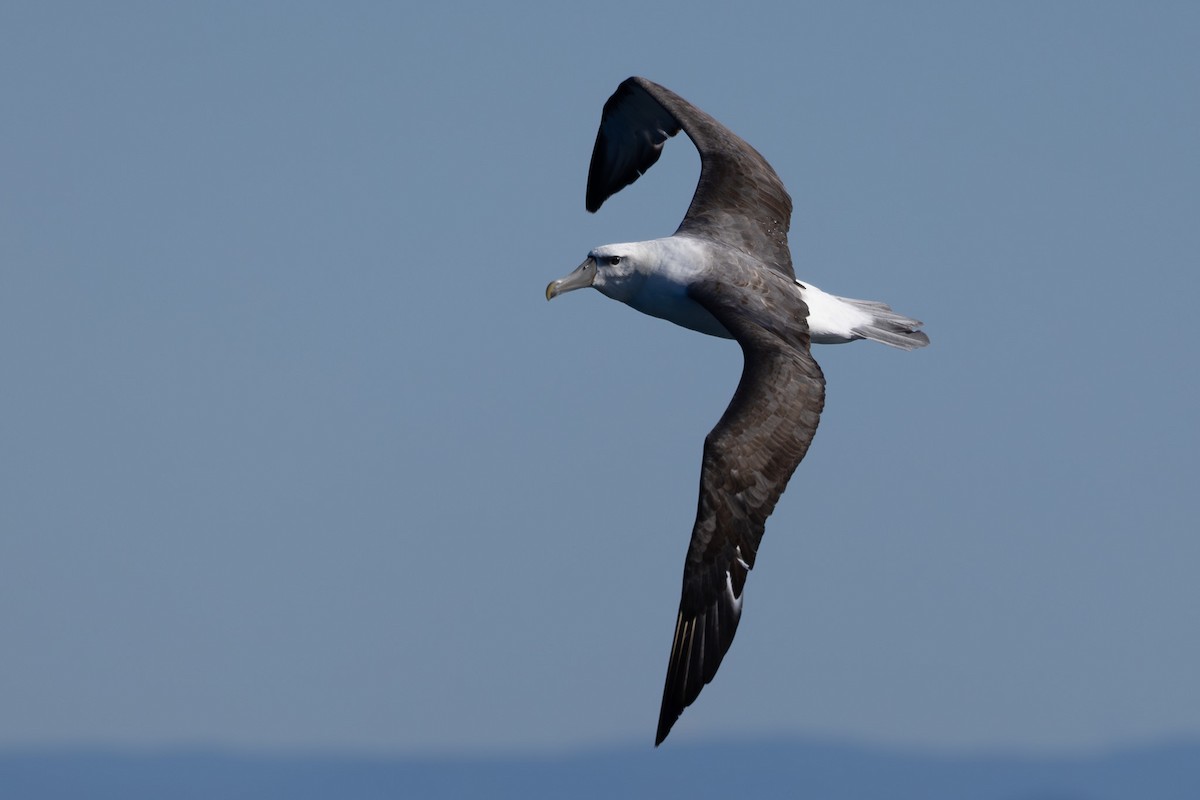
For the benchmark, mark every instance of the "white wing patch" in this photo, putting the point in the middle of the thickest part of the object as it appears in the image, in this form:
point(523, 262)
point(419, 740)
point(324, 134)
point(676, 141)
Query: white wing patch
point(734, 600)
point(737, 552)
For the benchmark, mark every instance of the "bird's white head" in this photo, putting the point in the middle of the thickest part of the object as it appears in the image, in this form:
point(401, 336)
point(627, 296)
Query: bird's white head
point(617, 270)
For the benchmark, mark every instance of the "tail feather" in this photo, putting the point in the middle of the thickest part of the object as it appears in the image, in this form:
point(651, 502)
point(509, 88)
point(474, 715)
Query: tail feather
point(888, 327)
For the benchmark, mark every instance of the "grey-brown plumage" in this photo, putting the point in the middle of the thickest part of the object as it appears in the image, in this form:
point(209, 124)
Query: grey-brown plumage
point(726, 271)
point(739, 199)
point(749, 456)
point(748, 459)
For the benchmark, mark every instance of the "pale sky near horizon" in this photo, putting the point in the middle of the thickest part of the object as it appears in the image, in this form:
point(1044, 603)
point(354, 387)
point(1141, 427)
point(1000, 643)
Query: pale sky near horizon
point(294, 454)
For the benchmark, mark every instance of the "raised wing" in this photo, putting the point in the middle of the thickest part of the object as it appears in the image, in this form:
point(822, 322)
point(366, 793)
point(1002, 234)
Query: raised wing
point(739, 199)
point(748, 458)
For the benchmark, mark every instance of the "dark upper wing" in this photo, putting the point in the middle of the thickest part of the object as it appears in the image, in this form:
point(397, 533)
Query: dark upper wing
point(739, 199)
point(748, 458)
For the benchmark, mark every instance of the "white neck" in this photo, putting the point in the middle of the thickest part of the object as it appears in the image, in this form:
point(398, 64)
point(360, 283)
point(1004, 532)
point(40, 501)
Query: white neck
point(654, 276)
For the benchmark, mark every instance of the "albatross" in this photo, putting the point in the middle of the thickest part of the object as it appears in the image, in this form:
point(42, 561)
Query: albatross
point(726, 272)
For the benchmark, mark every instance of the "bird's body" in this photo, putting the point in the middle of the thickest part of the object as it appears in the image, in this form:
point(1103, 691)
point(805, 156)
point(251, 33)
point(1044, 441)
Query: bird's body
point(653, 277)
point(725, 272)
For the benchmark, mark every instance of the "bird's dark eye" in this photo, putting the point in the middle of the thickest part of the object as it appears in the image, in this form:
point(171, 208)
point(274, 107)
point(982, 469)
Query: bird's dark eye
point(614, 260)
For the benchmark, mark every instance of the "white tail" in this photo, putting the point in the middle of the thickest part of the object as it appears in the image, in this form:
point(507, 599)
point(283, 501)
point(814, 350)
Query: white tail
point(834, 320)
point(887, 326)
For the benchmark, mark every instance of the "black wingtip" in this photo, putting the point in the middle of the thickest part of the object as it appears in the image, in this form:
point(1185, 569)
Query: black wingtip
point(667, 717)
point(597, 189)
point(664, 727)
point(633, 127)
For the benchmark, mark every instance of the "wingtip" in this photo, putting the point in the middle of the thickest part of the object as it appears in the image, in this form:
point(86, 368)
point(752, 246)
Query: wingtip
point(664, 728)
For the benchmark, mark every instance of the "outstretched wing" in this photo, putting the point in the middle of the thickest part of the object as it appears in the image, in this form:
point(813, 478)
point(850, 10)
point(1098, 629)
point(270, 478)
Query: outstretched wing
point(748, 458)
point(739, 199)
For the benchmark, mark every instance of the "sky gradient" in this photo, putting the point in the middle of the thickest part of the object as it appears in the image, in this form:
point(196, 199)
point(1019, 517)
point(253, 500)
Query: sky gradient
point(294, 454)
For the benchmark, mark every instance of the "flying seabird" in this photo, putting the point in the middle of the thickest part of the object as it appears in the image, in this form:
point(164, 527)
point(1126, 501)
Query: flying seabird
point(727, 272)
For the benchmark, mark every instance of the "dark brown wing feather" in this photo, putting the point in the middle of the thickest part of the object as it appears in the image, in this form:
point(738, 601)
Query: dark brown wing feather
point(748, 458)
point(739, 199)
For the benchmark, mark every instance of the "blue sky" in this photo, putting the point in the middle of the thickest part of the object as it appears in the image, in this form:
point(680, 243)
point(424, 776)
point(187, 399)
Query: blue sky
point(294, 454)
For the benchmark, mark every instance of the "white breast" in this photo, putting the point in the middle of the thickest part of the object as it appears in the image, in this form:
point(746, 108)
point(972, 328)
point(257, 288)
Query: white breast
point(664, 300)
